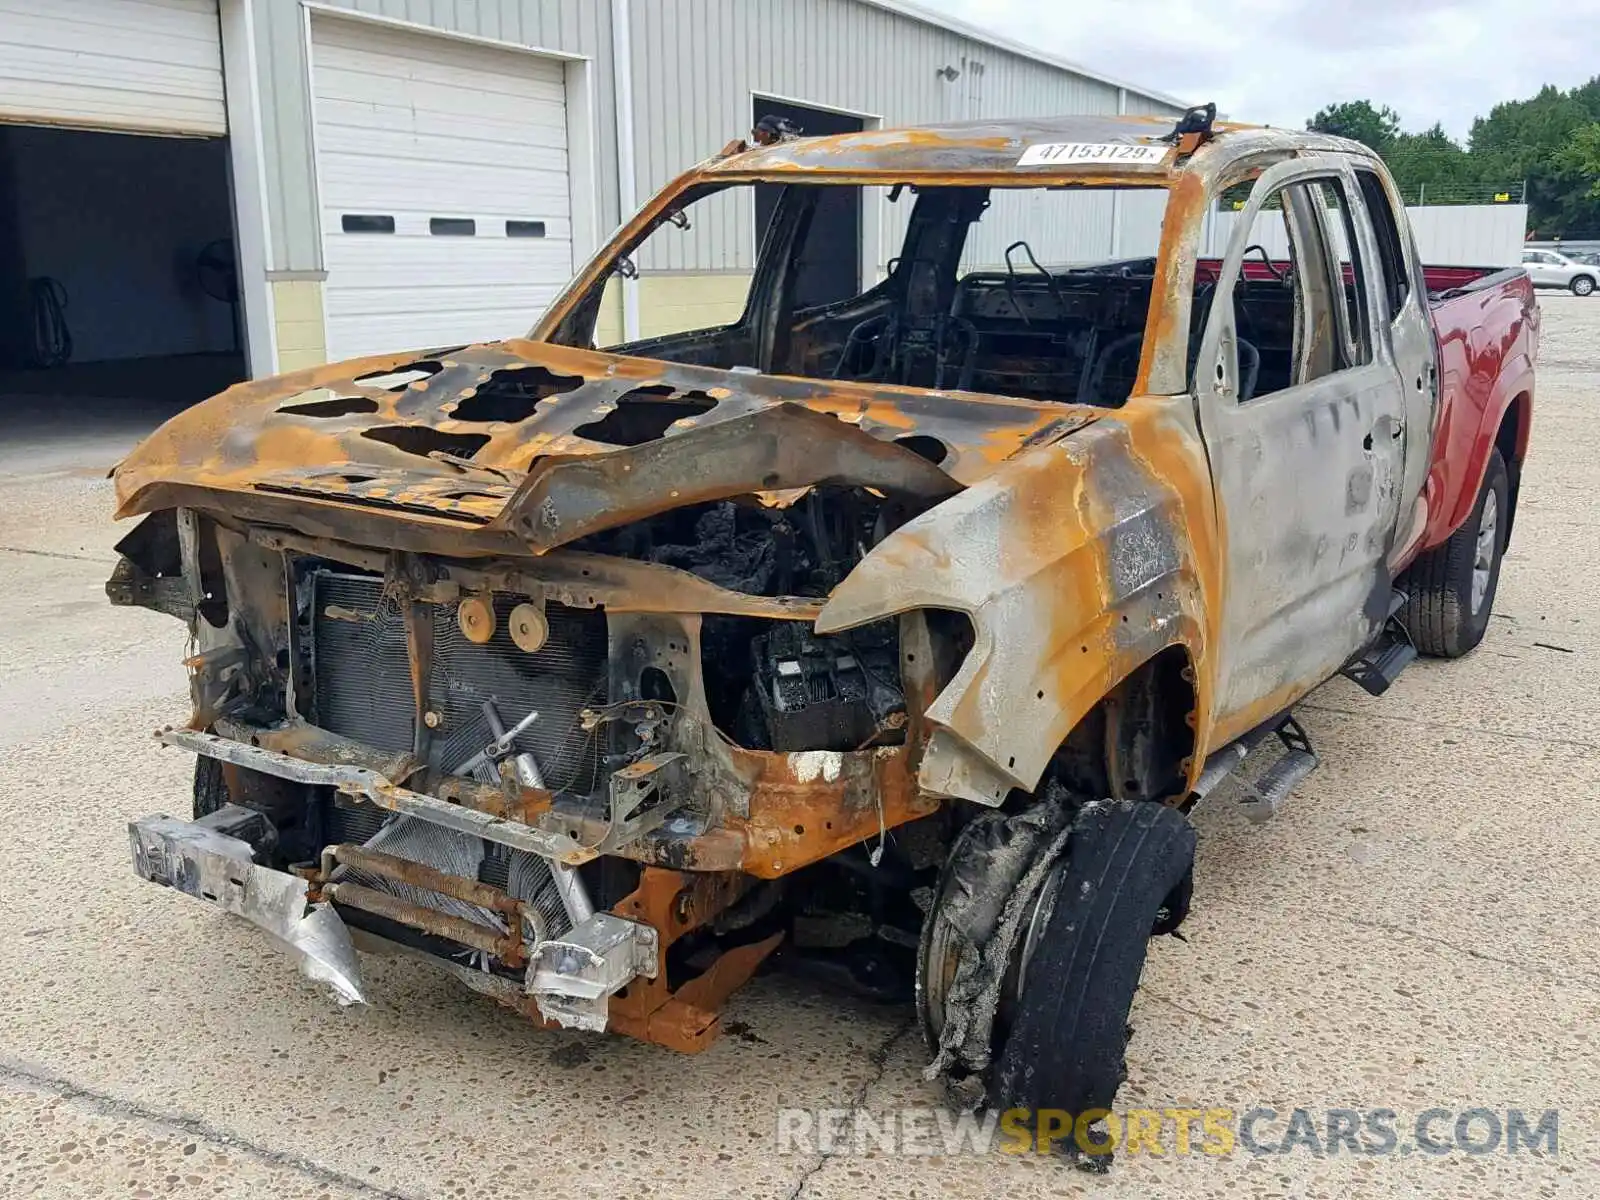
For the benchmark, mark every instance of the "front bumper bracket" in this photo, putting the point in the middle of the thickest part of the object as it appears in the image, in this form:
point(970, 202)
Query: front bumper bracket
point(198, 859)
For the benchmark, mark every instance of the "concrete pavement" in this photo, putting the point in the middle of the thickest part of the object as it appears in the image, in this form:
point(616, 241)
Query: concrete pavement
point(1415, 931)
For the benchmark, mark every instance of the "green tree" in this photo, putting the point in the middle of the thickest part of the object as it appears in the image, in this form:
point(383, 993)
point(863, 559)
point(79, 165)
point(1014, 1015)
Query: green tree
point(1375, 128)
point(1532, 139)
point(1550, 141)
point(1430, 162)
point(1581, 156)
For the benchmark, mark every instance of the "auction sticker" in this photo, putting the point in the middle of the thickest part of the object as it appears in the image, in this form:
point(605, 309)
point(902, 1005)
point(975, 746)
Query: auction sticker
point(1053, 153)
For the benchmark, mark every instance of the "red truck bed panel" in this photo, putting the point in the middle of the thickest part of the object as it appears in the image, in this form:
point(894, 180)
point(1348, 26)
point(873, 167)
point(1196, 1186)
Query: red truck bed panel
point(1438, 279)
point(1486, 331)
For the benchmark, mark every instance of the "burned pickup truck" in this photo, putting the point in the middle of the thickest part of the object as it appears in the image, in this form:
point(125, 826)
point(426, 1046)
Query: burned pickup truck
point(903, 628)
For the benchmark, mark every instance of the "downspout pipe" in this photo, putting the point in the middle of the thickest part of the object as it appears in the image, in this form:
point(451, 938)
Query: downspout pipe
point(1116, 194)
point(627, 182)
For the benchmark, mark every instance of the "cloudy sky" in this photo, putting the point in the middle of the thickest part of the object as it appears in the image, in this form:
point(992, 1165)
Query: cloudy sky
point(1278, 63)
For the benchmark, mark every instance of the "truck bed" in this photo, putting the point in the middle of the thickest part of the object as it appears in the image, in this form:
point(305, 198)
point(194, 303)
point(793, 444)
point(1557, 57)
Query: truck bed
point(1443, 282)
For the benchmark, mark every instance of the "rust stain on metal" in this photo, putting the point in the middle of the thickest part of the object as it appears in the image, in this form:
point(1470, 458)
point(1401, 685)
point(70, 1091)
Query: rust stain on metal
point(508, 800)
point(806, 805)
point(404, 870)
point(244, 452)
point(505, 946)
point(675, 903)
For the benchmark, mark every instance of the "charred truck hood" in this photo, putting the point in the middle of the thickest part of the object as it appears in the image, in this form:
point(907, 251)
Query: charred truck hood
point(519, 446)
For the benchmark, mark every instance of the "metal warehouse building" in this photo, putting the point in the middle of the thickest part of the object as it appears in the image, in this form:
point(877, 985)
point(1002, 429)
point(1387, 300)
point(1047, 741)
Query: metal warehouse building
point(248, 186)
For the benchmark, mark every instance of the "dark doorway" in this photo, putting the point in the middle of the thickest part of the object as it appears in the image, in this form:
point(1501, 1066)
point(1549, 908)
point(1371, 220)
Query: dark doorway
point(118, 284)
point(830, 269)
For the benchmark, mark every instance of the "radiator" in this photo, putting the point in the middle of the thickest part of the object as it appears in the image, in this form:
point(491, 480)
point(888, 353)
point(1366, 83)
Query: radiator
point(516, 872)
point(362, 679)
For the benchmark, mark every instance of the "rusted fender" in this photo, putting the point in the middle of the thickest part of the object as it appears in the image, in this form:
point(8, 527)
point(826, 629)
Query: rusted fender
point(1077, 563)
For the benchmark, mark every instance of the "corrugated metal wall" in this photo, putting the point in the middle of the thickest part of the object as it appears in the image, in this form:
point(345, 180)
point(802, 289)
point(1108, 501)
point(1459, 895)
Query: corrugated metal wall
point(697, 64)
point(1470, 235)
point(1066, 227)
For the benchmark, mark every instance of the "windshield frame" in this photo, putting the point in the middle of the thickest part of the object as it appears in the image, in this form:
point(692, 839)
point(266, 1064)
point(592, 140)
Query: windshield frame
point(570, 319)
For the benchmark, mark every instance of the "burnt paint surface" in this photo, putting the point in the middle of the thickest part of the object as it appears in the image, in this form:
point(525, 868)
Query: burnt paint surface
point(1077, 562)
point(539, 481)
point(1080, 543)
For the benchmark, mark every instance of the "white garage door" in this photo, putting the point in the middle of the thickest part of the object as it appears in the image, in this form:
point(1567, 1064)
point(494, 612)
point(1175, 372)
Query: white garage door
point(145, 65)
point(443, 174)
point(112, 64)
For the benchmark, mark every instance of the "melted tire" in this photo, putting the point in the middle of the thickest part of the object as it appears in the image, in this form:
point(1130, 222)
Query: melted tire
point(1438, 611)
point(1065, 1049)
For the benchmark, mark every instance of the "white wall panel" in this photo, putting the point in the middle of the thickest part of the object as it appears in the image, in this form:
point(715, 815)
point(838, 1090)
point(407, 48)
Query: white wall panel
point(1139, 223)
point(415, 129)
point(1470, 235)
point(1448, 235)
point(708, 58)
point(581, 27)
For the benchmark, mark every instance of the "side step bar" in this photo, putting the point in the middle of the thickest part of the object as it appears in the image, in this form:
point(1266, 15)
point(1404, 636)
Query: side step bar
point(1265, 797)
point(1380, 664)
point(1374, 669)
point(1267, 794)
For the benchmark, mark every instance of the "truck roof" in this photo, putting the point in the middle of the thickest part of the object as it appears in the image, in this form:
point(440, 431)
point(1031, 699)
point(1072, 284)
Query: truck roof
point(995, 147)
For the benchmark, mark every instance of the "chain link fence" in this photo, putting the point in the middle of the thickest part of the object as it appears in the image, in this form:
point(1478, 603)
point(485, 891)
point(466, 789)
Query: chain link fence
point(1414, 195)
point(1464, 193)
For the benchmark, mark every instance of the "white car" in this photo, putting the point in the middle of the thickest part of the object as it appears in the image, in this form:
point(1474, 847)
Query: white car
point(1548, 269)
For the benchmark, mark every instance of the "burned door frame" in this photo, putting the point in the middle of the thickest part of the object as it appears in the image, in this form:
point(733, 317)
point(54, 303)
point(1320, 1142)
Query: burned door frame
point(1307, 478)
point(763, 324)
point(1407, 337)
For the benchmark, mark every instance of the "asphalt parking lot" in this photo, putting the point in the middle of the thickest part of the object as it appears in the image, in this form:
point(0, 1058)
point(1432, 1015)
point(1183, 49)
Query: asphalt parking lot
point(1415, 931)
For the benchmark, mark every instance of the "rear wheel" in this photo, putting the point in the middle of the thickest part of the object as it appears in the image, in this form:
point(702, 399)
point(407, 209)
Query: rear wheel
point(1582, 285)
point(1450, 589)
